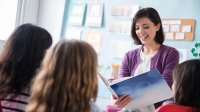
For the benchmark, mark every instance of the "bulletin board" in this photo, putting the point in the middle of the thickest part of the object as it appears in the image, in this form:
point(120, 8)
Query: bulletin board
point(179, 29)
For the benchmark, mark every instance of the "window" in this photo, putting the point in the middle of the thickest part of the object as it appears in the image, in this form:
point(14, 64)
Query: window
point(8, 12)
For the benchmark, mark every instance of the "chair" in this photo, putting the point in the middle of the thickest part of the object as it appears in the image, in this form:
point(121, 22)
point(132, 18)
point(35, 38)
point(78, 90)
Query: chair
point(175, 108)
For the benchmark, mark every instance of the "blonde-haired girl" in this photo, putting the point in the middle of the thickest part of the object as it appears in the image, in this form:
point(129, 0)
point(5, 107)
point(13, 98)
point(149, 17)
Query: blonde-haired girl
point(67, 81)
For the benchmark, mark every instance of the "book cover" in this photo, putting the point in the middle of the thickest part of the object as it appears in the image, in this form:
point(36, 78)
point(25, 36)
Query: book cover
point(145, 89)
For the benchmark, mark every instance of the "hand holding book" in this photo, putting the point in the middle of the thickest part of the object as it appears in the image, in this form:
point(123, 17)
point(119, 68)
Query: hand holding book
point(122, 101)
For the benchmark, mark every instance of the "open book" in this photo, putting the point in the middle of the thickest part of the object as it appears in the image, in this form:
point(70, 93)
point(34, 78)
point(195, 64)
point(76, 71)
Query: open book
point(145, 89)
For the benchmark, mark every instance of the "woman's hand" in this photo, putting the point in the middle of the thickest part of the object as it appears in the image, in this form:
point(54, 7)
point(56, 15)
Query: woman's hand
point(122, 101)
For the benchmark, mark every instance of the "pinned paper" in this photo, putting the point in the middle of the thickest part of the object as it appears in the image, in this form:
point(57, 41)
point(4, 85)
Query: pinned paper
point(94, 39)
point(77, 13)
point(171, 22)
point(120, 27)
point(166, 28)
point(169, 36)
point(179, 36)
point(124, 11)
point(186, 28)
point(94, 15)
point(174, 28)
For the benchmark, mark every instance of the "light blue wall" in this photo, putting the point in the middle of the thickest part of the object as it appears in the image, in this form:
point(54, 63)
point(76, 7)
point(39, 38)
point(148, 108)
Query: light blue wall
point(177, 9)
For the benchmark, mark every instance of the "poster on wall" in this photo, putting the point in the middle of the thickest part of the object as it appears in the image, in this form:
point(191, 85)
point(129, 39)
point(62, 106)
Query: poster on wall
point(73, 34)
point(124, 11)
point(120, 27)
point(76, 15)
point(94, 15)
point(94, 38)
point(196, 50)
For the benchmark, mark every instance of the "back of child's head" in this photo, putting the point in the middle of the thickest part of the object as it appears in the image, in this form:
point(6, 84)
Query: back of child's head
point(21, 57)
point(186, 78)
point(68, 79)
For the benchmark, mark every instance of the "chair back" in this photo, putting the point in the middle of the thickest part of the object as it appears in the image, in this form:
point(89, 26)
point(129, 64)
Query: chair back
point(176, 108)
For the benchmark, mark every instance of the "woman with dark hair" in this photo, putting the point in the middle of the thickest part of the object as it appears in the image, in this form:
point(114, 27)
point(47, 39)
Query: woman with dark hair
point(147, 31)
point(19, 63)
point(67, 81)
point(186, 87)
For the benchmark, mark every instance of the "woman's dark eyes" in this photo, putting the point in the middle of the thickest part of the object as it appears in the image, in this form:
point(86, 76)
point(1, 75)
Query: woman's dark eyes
point(143, 28)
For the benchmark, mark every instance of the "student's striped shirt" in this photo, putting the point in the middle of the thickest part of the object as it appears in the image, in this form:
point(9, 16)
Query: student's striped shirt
point(16, 102)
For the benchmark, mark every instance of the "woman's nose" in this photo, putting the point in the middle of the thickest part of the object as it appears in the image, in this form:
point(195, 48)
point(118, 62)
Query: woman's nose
point(140, 31)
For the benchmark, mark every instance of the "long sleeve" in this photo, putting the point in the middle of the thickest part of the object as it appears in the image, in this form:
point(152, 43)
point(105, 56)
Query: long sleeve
point(130, 63)
point(172, 59)
point(124, 71)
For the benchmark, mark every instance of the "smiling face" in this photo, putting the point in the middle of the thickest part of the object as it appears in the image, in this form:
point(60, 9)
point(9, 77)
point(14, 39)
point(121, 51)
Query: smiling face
point(146, 30)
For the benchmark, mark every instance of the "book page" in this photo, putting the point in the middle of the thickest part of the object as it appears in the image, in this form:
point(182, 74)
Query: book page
point(106, 82)
point(119, 80)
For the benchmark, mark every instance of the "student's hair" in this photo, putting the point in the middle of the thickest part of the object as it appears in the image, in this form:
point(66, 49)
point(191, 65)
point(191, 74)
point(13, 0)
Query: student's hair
point(21, 57)
point(153, 15)
point(67, 81)
point(186, 78)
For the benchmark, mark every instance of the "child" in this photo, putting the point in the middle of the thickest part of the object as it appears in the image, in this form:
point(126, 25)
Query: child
point(19, 62)
point(186, 86)
point(67, 81)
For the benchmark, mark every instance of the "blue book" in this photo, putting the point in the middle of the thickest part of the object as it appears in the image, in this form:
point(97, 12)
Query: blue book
point(145, 89)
